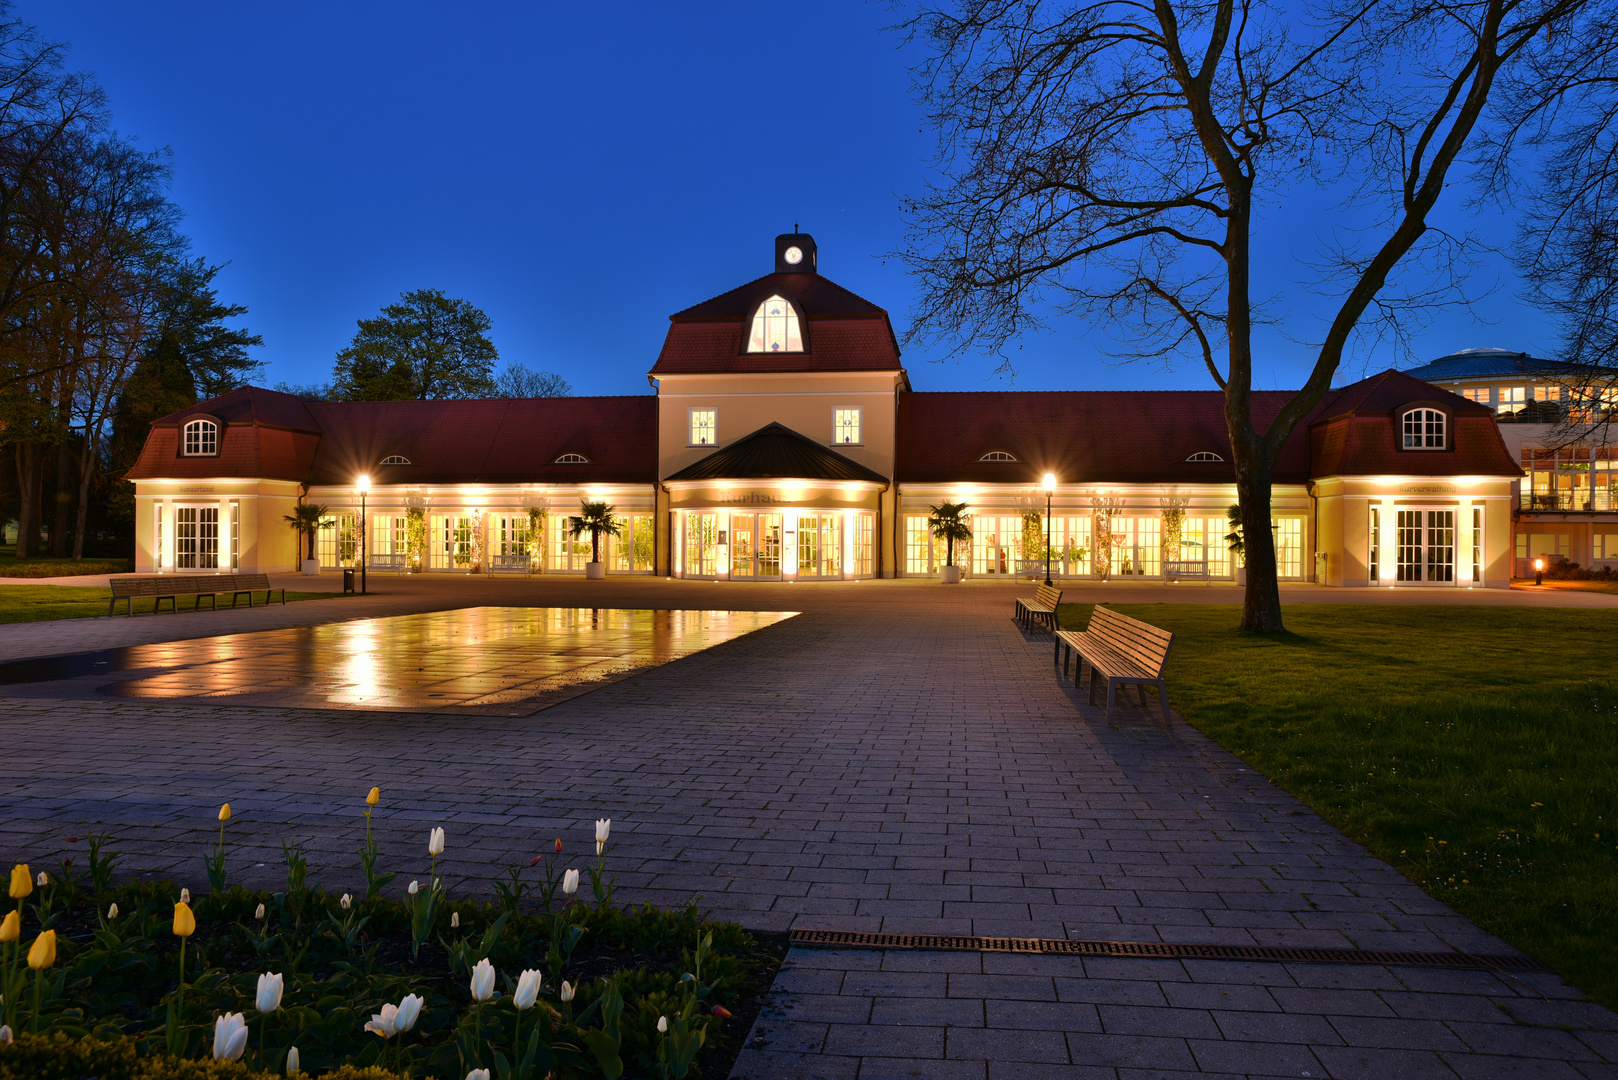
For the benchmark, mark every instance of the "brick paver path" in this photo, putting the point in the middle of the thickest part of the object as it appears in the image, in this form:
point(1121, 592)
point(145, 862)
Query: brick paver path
point(897, 758)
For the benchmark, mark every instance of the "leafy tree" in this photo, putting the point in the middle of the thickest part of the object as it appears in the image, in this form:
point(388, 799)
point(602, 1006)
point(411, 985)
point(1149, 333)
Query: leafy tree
point(425, 346)
point(1113, 155)
point(595, 518)
point(517, 381)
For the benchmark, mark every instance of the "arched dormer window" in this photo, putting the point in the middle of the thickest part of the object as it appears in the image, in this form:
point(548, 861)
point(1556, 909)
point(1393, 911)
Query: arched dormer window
point(572, 459)
point(775, 328)
point(1423, 429)
point(997, 455)
point(395, 459)
point(1205, 455)
point(201, 439)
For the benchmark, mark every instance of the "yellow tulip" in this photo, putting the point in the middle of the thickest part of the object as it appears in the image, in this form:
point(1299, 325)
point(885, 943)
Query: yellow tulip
point(11, 928)
point(22, 882)
point(224, 812)
point(374, 797)
point(185, 923)
point(42, 954)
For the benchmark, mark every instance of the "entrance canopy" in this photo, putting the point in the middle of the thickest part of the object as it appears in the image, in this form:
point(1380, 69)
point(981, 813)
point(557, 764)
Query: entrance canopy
point(776, 452)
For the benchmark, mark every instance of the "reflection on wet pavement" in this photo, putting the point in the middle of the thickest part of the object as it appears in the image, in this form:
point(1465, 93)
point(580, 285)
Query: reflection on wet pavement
point(509, 661)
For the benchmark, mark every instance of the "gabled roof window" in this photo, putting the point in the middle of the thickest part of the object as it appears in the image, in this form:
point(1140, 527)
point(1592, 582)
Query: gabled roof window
point(201, 439)
point(775, 328)
point(395, 459)
point(572, 459)
point(1205, 455)
point(997, 455)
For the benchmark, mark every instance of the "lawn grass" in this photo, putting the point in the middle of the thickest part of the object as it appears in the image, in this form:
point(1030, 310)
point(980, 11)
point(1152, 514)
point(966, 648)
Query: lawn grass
point(1474, 748)
point(1574, 586)
point(38, 603)
point(47, 566)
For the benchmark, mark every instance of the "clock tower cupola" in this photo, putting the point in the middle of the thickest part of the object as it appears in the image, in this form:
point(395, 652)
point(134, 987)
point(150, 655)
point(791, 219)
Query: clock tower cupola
point(795, 253)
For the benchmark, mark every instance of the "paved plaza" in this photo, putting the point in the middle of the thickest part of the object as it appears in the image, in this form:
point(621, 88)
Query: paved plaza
point(899, 757)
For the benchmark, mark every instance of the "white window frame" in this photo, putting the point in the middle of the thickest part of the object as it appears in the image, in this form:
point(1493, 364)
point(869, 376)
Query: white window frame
point(198, 427)
point(1423, 434)
point(691, 426)
point(838, 424)
point(789, 321)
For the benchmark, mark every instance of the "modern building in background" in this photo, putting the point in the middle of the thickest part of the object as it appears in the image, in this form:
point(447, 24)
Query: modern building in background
point(783, 441)
point(1555, 427)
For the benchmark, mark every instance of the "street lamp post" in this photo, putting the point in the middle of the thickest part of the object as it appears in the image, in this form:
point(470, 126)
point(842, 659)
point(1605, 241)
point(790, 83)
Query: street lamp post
point(1050, 490)
point(364, 486)
point(1539, 571)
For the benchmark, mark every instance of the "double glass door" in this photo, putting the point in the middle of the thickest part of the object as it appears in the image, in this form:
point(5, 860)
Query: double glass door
point(1426, 543)
point(755, 546)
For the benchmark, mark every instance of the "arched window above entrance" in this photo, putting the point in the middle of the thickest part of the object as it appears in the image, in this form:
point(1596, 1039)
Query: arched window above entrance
point(775, 328)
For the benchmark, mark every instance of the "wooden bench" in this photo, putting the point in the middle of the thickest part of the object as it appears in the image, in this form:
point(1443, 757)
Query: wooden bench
point(1041, 607)
point(1176, 569)
point(1122, 651)
point(171, 587)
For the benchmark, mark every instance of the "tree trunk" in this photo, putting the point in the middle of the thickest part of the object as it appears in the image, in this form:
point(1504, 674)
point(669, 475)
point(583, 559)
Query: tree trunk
point(63, 499)
point(1261, 602)
point(27, 498)
point(86, 461)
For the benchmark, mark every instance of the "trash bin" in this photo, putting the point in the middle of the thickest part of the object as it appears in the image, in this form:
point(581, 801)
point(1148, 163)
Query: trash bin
point(348, 582)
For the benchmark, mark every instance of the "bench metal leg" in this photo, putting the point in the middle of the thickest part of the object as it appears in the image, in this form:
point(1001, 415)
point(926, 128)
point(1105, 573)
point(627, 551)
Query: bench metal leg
point(1163, 698)
point(1112, 692)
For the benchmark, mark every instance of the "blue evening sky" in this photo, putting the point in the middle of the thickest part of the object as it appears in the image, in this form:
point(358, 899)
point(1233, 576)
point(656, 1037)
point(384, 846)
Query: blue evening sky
point(579, 172)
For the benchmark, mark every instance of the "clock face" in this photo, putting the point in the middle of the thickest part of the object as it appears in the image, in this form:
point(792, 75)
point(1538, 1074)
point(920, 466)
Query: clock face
point(793, 256)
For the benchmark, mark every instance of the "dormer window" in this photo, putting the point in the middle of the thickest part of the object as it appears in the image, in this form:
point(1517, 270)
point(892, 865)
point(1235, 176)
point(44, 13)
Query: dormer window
point(201, 439)
point(997, 455)
point(572, 459)
point(395, 459)
point(1423, 429)
point(775, 328)
point(1205, 455)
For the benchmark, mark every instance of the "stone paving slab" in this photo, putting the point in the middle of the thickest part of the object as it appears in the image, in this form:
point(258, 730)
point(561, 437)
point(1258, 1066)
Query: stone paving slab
point(897, 759)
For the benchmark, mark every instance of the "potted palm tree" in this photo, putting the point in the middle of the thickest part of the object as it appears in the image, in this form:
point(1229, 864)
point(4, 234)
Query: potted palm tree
point(595, 518)
point(1234, 541)
point(948, 522)
point(305, 520)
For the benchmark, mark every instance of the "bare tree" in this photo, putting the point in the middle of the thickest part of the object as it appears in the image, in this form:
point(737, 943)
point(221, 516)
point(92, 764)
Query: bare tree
point(1110, 155)
point(517, 381)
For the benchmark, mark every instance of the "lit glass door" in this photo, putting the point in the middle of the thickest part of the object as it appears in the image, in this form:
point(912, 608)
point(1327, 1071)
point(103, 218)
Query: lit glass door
point(1426, 542)
point(701, 545)
point(768, 532)
point(196, 538)
point(741, 545)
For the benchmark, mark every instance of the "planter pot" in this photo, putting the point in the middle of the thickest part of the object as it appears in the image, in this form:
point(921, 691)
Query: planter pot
point(311, 568)
point(1241, 575)
point(594, 571)
point(949, 575)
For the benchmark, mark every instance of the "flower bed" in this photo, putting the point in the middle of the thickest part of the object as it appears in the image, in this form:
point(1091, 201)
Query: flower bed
point(139, 981)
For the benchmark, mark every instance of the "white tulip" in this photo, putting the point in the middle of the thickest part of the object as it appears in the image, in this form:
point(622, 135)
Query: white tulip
point(112, 912)
point(5, 1035)
point(455, 920)
point(185, 896)
point(43, 879)
point(269, 992)
point(409, 1010)
point(435, 842)
point(570, 882)
point(413, 887)
point(346, 902)
point(478, 1074)
point(292, 1060)
point(258, 913)
point(385, 1022)
point(662, 1025)
point(567, 990)
point(229, 1037)
point(483, 981)
point(528, 985)
point(603, 830)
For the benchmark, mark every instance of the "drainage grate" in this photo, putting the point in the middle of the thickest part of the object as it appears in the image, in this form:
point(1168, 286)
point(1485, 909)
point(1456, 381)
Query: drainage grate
point(1164, 950)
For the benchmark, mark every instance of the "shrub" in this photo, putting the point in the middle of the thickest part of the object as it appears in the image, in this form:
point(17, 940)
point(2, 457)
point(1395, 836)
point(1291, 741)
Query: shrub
point(58, 1057)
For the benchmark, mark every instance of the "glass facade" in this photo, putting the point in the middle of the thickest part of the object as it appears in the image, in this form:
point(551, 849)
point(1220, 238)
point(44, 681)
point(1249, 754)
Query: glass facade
point(196, 537)
point(337, 541)
point(774, 545)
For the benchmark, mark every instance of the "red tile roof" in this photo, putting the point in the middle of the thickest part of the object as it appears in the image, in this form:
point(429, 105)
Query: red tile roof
point(263, 434)
point(504, 441)
point(842, 331)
